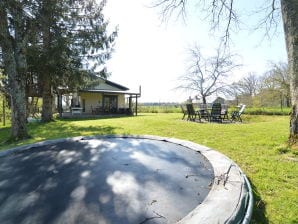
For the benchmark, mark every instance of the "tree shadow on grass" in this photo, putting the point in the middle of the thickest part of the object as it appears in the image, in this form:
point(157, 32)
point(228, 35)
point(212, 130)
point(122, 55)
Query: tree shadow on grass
point(259, 210)
point(103, 117)
point(70, 130)
point(53, 130)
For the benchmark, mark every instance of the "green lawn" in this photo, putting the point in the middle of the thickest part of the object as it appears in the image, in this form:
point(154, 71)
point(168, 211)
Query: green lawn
point(257, 146)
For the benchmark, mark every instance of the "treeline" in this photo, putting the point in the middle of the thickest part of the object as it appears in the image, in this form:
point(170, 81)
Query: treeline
point(164, 108)
point(271, 89)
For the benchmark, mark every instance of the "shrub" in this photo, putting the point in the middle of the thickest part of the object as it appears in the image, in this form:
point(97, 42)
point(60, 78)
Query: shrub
point(267, 111)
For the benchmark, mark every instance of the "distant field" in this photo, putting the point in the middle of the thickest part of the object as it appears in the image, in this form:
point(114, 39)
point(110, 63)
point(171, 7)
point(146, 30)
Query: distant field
point(257, 145)
point(160, 109)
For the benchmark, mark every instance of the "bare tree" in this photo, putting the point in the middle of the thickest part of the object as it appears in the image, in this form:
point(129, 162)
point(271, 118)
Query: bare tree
point(224, 12)
point(205, 75)
point(272, 88)
point(221, 14)
point(233, 91)
point(278, 80)
point(248, 85)
point(245, 89)
point(282, 78)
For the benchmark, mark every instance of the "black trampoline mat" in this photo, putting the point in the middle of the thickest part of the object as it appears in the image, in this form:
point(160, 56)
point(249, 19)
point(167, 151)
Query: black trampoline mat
point(105, 180)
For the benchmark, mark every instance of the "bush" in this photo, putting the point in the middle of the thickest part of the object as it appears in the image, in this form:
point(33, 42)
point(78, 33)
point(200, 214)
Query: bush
point(267, 111)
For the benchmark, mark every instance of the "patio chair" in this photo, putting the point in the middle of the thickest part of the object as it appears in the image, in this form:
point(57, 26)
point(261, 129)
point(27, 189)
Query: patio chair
point(204, 112)
point(216, 113)
point(236, 115)
point(224, 112)
point(191, 113)
point(184, 111)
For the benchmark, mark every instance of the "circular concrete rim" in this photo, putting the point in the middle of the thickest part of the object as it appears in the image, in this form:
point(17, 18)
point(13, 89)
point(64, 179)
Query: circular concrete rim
point(230, 186)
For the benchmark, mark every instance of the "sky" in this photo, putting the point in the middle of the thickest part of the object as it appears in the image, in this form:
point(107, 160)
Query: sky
point(153, 54)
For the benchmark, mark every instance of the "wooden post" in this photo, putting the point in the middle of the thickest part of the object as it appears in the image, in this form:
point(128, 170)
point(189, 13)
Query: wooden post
point(130, 104)
point(138, 95)
point(59, 102)
point(136, 105)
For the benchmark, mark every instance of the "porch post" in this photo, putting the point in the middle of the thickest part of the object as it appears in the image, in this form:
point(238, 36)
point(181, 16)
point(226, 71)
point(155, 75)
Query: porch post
point(3, 111)
point(130, 104)
point(59, 102)
point(136, 105)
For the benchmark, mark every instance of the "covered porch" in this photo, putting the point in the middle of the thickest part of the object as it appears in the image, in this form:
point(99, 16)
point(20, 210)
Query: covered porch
point(97, 103)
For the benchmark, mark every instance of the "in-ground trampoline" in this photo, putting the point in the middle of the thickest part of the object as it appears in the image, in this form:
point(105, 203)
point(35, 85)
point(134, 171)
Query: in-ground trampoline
point(121, 179)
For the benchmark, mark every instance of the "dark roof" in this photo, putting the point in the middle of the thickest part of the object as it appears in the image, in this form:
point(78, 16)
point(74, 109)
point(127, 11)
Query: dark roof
point(100, 80)
point(116, 85)
point(95, 87)
point(109, 91)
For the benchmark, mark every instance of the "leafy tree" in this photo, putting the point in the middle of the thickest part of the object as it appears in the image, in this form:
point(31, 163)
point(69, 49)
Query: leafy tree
point(49, 43)
point(72, 35)
point(15, 26)
point(224, 14)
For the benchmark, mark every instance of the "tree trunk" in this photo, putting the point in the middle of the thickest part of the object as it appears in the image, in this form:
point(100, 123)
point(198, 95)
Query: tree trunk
point(47, 100)
point(290, 22)
point(14, 58)
point(47, 93)
point(59, 104)
point(288, 101)
point(204, 100)
point(3, 111)
point(18, 114)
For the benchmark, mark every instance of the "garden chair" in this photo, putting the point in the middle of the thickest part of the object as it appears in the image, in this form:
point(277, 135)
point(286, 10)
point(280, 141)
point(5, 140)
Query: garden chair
point(236, 115)
point(224, 112)
point(191, 113)
point(216, 113)
point(184, 111)
point(204, 111)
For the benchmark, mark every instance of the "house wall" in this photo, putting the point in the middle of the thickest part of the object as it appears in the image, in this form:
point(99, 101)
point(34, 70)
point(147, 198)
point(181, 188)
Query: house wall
point(91, 99)
point(95, 100)
point(121, 101)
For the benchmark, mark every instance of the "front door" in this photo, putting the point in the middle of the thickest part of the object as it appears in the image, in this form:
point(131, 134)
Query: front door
point(110, 103)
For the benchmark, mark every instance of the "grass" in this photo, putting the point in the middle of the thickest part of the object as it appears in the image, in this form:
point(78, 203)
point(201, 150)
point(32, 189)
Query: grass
point(257, 146)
